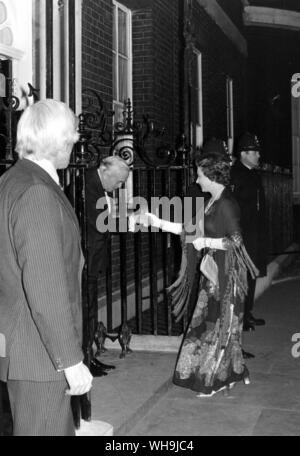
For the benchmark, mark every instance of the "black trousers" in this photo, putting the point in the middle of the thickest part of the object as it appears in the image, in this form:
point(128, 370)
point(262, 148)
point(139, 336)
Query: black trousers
point(93, 302)
point(90, 307)
point(1, 411)
point(249, 300)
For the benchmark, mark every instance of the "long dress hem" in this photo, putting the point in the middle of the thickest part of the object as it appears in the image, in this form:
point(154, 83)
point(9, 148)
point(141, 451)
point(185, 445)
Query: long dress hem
point(194, 384)
point(210, 357)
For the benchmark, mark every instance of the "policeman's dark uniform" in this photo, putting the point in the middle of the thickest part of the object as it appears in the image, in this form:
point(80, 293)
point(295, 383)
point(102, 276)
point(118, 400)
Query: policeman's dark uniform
point(248, 190)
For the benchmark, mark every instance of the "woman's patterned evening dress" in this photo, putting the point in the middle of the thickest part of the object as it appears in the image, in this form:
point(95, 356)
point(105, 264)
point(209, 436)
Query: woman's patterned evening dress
point(210, 357)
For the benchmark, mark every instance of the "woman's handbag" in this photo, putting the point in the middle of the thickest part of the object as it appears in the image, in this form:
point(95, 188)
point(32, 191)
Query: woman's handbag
point(209, 268)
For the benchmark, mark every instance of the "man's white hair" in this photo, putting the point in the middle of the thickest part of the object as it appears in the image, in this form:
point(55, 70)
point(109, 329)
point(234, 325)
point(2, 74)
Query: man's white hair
point(46, 128)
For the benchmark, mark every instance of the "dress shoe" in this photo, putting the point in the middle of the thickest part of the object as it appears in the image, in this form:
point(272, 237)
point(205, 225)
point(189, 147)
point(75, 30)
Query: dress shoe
point(247, 326)
point(256, 321)
point(102, 365)
point(97, 371)
point(247, 355)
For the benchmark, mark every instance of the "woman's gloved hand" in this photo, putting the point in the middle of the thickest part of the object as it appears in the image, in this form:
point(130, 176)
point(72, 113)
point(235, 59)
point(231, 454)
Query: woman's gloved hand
point(211, 243)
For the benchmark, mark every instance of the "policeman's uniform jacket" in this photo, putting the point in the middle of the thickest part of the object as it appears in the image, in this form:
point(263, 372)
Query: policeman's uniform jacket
point(248, 190)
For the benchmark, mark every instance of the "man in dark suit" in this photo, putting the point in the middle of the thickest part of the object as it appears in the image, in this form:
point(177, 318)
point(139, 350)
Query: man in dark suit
point(248, 190)
point(100, 182)
point(40, 280)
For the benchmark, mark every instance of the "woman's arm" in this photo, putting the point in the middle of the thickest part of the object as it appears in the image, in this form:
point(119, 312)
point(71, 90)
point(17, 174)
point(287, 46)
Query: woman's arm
point(165, 225)
point(148, 219)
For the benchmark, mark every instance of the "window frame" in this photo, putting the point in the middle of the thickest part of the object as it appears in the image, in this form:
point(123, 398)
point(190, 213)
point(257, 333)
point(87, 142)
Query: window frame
point(197, 126)
point(230, 114)
point(117, 103)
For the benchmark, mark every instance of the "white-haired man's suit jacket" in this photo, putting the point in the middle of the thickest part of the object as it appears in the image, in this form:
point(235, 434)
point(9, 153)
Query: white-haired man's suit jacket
point(40, 277)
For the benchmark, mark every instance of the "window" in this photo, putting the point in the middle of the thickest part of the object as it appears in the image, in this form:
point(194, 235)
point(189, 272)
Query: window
point(16, 41)
point(122, 58)
point(122, 78)
point(6, 33)
point(196, 101)
point(295, 104)
point(52, 22)
point(230, 115)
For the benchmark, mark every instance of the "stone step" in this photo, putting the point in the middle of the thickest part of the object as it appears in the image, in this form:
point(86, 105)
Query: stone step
point(94, 428)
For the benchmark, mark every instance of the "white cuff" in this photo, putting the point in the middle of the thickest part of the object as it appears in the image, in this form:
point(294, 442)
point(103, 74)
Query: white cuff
point(131, 223)
point(165, 225)
point(171, 227)
point(75, 365)
point(217, 244)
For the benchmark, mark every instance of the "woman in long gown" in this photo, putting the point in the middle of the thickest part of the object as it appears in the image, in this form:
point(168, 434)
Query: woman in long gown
point(210, 357)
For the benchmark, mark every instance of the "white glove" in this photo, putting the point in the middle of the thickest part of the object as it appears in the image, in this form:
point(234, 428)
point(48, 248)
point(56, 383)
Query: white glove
point(131, 223)
point(211, 243)
point(170, 227)
point(79, 379)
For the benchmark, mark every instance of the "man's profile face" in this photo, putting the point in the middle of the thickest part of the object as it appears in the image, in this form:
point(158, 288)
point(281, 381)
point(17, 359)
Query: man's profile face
point(250, 158)
point(63, 157)
point(114, 177)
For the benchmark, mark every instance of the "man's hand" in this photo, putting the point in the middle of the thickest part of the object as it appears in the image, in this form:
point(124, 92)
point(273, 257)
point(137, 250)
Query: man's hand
point(142, 218)
point(79, 379)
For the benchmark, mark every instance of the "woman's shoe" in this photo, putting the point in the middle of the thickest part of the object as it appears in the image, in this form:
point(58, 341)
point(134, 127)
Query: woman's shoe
point(206, 395)
point(246, 380)
point(212, 393)
point(226, 391)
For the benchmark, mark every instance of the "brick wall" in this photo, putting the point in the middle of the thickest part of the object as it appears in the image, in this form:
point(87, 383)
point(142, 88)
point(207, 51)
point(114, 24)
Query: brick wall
point(158, 84)
point(156, 65)
point(97, 47)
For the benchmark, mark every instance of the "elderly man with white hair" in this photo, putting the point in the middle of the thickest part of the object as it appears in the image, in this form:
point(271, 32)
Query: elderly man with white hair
point(41, 356)
point(112, 173)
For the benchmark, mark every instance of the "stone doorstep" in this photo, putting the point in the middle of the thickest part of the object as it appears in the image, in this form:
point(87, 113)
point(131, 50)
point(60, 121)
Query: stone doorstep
point(150, 343)
point(94, 428)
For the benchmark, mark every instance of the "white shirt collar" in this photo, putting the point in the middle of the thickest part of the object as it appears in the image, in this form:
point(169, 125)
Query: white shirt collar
point(47, 166)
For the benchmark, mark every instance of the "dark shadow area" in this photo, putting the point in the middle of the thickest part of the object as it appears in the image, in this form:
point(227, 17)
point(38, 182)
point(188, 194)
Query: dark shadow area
point(162, 328)
point(6, 426)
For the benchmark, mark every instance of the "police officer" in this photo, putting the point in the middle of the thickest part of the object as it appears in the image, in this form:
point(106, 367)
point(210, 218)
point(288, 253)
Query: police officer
point(248, 191)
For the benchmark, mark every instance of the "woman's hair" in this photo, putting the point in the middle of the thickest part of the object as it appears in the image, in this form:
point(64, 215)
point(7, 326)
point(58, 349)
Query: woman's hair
point(215, 166)
point(46, 128)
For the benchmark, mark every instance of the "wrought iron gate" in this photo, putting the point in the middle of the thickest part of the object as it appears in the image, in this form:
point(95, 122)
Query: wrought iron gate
point(142, 265)
point(165, 172)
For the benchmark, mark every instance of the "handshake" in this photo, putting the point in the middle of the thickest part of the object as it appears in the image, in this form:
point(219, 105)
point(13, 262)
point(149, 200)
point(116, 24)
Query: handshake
point(145, 219)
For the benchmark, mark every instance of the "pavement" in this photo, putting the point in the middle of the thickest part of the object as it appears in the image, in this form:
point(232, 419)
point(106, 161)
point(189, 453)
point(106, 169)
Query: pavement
point(138, 398)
